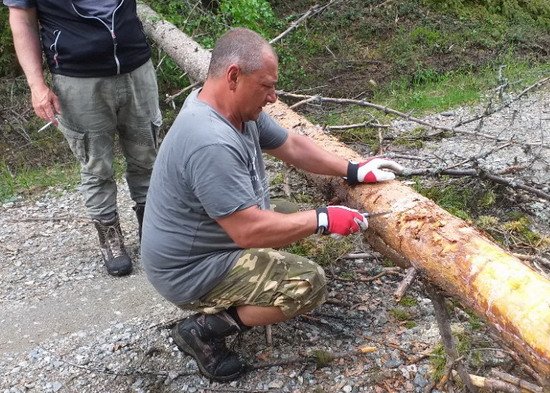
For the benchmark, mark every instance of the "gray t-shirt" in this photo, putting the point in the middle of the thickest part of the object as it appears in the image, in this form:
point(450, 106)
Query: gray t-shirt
point(205, 169)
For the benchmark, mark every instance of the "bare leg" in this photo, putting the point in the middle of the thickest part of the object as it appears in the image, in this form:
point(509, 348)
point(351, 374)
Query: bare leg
point(260, 316)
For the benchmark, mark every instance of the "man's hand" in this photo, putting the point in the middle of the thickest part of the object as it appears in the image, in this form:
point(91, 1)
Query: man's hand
point(45, 103)
point(372, 170)
point(340, 220)
point(26, 40)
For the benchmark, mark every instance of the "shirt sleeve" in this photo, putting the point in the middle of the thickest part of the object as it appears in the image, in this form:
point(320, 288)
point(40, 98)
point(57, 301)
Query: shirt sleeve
point(272, 135)
point(20, 3)
point(221, 180)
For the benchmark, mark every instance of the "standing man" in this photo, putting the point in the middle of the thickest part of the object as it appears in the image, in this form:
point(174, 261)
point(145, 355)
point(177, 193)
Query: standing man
point(209, 233)
point(103, 84)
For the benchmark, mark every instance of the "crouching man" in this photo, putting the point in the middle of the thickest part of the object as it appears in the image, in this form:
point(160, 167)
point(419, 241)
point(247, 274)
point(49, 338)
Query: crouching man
point(210, 230)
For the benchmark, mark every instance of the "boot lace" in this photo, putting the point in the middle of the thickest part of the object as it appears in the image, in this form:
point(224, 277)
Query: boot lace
point(113, 240)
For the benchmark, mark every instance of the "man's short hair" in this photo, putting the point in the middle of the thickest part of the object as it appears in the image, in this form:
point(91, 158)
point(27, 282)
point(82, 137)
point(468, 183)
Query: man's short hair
point(240, 46)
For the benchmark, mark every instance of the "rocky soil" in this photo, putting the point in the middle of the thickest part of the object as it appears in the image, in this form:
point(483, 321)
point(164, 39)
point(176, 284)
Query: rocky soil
point(67, 326)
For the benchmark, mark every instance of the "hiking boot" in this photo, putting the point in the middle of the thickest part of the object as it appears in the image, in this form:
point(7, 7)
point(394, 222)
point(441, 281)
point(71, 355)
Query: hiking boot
point(203, 337)
point(114, 253)
point(139, 208)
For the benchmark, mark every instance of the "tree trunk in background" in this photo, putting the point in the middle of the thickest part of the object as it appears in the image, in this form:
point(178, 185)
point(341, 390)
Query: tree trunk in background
point(513, 299)
point(188, 55)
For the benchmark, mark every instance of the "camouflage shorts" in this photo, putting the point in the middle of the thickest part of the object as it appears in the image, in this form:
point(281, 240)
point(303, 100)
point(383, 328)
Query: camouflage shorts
point(266, 277)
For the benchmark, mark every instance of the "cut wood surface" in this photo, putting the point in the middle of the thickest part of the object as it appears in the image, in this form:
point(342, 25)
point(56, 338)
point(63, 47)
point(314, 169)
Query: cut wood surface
point(512, 298)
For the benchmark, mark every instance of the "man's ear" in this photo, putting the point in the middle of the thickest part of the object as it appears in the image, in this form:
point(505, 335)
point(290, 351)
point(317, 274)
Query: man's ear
point(233, 73)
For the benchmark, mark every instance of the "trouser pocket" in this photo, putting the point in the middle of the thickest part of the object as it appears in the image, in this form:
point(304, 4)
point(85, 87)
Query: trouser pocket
point(155, 128)
point(77, 142)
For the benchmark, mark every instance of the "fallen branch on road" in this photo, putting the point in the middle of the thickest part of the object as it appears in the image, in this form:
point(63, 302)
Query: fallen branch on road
point(320, 358)
point(489, 111)
point(482, 174)
point(388, 110)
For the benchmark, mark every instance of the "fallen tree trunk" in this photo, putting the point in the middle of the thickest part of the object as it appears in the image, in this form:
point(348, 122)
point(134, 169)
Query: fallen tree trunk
point(512, 298)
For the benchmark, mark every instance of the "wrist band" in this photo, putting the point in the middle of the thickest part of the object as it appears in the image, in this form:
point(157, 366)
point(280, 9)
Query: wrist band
point(322, 221)
point(353, 167)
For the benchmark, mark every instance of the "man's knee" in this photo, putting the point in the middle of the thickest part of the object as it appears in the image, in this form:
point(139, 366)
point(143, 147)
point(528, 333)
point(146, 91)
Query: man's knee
point(302, 294)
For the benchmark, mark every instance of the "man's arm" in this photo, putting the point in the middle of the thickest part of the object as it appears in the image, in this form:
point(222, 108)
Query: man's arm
point(26, 40)
point(253, 227)
point(303, 153)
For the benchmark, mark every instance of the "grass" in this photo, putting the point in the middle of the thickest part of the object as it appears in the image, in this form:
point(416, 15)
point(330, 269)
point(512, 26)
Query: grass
point(451, 197)
point(30, 180)
point(323, 250)
point(400, 314)
point(408, 301)
point(514, 230)
point(463, 343)
point(442, 92)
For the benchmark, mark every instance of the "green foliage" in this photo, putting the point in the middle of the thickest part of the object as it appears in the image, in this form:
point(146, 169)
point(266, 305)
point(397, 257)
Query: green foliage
point(416, 56)
point(28, 180)
point(438, 360)
point(463, 343)
point(413, 138)
point(516, 229)
point(532, 11)
point(464, 198)
point(279, 178)
point(454, 198)
point(521, 228)
point(205, 26)
point(475, 322)
point(400, 314)
point(257, 15)
point(324, 250)
point(408, 301)
point(322, 358)
point(454, 88)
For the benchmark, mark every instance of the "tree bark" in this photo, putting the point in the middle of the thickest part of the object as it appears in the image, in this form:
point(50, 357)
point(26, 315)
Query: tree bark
point(188, 54)
point(512, 298)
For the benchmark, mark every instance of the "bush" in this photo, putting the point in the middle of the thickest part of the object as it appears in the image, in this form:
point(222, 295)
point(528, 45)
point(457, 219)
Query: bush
point(254, 14)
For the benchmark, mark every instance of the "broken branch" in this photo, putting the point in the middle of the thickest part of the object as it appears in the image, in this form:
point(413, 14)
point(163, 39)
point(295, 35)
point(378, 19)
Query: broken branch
point(442, 317)
point(315, 9)
point(405, 284)
point(385, 109)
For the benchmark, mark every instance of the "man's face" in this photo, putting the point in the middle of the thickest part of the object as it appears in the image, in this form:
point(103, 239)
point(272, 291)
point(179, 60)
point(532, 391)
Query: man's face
point(257, 89)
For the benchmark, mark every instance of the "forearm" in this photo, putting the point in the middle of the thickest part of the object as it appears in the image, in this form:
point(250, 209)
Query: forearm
point(255, 228)
point(24, 26)
point(304, 154)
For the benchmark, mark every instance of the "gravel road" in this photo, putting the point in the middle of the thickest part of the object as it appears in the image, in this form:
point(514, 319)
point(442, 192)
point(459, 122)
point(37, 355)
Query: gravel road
point(67, 326)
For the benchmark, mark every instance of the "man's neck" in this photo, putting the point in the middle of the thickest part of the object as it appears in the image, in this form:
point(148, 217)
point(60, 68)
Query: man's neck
point(217, 99)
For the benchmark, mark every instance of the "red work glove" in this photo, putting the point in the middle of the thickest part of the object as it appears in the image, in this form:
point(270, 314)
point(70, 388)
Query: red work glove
point(340, 220)
point(372, 170)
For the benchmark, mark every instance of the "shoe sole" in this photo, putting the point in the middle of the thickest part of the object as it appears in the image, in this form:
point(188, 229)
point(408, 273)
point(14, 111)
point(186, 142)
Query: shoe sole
point(184, 347)
point(119, 273)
